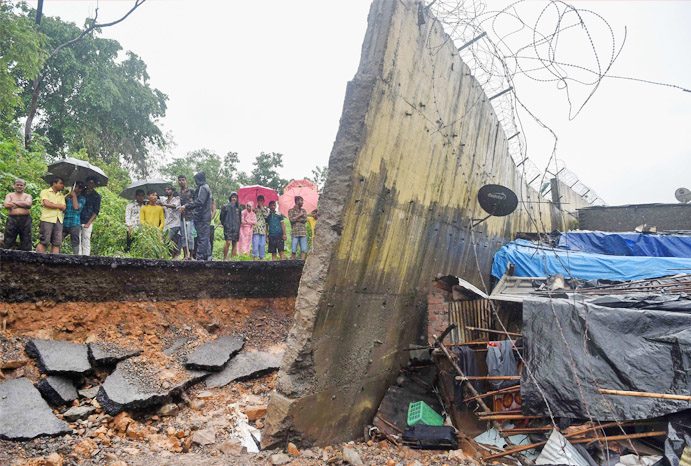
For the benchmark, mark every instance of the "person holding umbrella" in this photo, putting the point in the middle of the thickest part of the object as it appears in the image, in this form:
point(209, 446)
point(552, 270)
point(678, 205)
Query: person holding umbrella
point(91, 209)
point(133, 216)
point(201, 207)
point(72, 226)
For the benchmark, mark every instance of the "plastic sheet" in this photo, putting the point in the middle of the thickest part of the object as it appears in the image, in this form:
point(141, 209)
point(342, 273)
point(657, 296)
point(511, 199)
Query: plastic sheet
point(533, 260)
point(626, 244)
point(575, 348)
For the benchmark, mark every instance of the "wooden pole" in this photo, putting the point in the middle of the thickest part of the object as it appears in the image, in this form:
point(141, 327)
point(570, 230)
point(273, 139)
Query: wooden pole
point(613, 438)
point(526, 430)
point(512, 389)
point(488, 377)
point(664, 396)
point(489, 330)
point(507, 417)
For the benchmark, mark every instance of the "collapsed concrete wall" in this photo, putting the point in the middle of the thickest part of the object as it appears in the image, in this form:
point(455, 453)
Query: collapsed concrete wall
point(417, 139)
point(27, 276)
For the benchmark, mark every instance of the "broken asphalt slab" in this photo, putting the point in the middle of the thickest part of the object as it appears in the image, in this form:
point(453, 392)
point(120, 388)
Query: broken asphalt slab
point(24, 414)
point(248, 364)
point(57, 390)
point(212, 356)
point(109, 354)
point(138, 384)
point(59, 357)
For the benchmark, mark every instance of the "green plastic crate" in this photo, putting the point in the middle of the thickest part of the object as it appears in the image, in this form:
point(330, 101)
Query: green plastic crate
point(420, 413)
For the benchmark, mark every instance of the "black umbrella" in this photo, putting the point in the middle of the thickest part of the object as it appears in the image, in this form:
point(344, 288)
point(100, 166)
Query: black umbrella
point(146, 186)
point(72, 170)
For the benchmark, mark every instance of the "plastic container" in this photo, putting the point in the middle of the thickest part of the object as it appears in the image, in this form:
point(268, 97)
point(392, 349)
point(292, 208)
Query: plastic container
point(420, 413)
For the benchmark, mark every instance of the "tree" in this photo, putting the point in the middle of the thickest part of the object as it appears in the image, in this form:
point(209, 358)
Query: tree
point(85, 97)
point(21, 58)
point(319, 175)
point(221, 174)
point(265, 171)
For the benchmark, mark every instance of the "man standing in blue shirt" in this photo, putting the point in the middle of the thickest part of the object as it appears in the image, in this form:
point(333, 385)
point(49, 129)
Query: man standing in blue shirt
point(277, 232)
point(72, 225)
point(89, 213)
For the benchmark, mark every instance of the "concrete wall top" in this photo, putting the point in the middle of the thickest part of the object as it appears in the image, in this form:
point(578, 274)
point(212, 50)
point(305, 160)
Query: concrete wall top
point(666, 217)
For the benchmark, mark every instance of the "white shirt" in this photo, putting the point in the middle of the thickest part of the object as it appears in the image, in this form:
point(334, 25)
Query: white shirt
point(172, 213)
point(132, 214)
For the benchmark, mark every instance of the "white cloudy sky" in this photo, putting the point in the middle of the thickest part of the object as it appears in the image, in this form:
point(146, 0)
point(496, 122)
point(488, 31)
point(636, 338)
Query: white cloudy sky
point(271, 75)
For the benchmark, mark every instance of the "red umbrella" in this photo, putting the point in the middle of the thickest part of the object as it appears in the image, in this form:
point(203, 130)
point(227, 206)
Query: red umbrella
point(305, 188)
point(250, 193)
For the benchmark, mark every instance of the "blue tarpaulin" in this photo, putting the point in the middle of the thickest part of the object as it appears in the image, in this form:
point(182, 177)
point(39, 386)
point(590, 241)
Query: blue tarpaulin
point(533, 260)
point(627, 244)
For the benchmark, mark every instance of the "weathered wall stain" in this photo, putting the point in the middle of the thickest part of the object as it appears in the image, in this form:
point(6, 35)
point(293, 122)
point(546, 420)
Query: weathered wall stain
point(417, 139)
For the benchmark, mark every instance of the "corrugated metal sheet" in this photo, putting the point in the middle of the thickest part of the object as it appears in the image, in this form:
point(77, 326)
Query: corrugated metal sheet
point(475, 313)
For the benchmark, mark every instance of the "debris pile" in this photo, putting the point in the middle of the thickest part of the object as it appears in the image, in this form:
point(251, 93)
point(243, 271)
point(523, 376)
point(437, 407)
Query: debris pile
point(581, 367)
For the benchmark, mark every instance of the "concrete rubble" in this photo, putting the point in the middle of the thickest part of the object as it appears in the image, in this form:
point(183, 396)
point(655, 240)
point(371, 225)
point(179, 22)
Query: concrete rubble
point(56, 357)
point(213, 356)
point(57, 390)
point(244, 365)
point(25, 415)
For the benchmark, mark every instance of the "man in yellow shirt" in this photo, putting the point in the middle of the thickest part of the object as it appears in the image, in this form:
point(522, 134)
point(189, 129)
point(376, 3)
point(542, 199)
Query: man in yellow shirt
point(152, 214)
point(52, 214)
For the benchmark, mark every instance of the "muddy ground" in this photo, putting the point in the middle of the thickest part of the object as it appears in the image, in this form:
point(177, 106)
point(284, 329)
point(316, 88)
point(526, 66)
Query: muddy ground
point(200, 427)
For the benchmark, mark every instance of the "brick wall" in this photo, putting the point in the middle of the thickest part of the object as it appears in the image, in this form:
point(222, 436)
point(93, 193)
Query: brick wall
point(437, 312)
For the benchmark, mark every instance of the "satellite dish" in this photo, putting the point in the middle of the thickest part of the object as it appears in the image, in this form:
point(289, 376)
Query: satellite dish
point(683, 195)
point(497, 200)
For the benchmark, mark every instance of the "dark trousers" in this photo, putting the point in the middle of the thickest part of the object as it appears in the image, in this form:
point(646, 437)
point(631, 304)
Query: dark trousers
point(75, 233)
point(203, 237)
point(130, 240)
point(18, 225)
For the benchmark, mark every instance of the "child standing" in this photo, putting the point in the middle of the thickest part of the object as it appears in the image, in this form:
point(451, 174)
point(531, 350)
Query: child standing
point(259, 230)
point(152, 214)
point(231, 219)
point(277, 232)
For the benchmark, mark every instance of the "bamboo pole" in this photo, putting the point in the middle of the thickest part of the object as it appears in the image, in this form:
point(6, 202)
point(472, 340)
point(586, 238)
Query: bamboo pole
point(488, 377)
point(613, 438)
point(489, 330)
point(526, 430)
point(507, 417)
point(512, 389)
point(664, 396)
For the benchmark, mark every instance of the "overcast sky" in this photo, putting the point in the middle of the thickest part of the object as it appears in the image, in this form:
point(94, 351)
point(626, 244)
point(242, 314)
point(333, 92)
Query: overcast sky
point(271, 76)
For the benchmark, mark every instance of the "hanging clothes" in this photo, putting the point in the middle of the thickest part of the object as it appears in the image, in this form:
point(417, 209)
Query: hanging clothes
point(501, 361)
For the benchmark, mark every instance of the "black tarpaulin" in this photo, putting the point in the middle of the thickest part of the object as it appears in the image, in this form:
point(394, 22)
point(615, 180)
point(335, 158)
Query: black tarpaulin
point(574, 348)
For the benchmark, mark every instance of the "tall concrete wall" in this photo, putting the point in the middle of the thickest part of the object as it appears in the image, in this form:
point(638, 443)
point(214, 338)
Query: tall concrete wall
point(417, 139)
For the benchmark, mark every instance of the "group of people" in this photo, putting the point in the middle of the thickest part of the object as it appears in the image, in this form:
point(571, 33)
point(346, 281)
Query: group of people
point(62, 215)
point(185, 218)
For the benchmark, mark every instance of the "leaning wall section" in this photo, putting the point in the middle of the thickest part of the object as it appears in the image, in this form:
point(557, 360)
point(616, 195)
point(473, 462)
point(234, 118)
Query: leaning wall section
point(417, 139)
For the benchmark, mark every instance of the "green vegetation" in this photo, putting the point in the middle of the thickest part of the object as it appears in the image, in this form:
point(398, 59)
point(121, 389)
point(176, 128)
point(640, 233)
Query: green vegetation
point(65, 91)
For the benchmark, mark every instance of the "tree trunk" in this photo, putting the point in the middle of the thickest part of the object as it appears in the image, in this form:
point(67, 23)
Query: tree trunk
point(31, 111)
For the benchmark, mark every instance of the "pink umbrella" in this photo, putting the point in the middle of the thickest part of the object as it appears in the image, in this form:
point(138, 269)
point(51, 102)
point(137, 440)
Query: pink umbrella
point(305, 188)
point(250, 193)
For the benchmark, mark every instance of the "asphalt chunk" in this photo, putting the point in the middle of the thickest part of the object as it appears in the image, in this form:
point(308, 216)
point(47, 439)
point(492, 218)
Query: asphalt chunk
point(107, 354)
point(57, 390)
point(25, 415)
point(56, 357)
point(245, 365)
point(212, 356)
